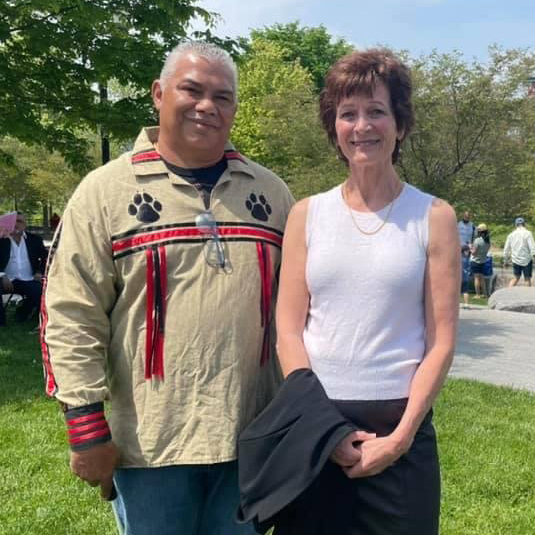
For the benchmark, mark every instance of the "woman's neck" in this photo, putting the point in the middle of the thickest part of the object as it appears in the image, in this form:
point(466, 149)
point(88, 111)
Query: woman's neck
point(371, 188)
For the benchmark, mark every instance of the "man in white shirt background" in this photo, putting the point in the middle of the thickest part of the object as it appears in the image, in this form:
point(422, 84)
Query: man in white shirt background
point(22, 262)
point(520, 248)
point(466, 229)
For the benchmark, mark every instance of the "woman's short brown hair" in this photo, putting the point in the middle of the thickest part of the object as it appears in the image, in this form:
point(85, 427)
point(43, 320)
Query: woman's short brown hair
point(358, 73)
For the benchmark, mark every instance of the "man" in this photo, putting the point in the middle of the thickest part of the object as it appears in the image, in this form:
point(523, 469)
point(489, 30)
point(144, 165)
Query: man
point(520, 248)
point(466, 229)
point(159, 297)
point(22, 262)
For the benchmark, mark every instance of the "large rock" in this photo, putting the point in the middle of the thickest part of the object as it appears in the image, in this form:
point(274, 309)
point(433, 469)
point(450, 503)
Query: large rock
point(517, 299)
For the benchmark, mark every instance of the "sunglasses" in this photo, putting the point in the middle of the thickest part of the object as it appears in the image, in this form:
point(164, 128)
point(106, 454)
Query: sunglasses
point(214, 252)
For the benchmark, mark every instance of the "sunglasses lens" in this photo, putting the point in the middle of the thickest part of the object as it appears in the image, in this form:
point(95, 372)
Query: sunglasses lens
point(214, 253)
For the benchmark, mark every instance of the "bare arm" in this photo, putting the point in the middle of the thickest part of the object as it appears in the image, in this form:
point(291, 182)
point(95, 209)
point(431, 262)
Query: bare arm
point(507, 250)
point(442, 280)
point(293, 298)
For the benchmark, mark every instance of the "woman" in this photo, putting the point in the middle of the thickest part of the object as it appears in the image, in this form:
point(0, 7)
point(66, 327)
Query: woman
point(479, 249)
point(368, 300)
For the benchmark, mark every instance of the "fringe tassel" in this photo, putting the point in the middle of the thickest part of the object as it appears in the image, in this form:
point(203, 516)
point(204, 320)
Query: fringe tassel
point(264, 264)
point(156, 284)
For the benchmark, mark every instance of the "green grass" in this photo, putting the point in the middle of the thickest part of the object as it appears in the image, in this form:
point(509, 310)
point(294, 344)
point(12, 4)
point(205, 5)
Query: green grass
point(37, 491)
point(486, 439)
point(487, 447)
point(472, 300)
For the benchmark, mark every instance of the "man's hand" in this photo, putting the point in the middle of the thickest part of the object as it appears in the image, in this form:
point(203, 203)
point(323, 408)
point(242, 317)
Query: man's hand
point(347, 453)
point(38, 277)
point(7, 285)
point(376, 455)
point(96, 466)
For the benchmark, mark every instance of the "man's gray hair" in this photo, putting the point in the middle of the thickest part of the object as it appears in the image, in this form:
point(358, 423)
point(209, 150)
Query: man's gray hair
point(203, 50)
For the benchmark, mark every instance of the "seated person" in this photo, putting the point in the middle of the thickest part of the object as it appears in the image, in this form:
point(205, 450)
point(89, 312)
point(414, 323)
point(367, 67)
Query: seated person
point(22, 260)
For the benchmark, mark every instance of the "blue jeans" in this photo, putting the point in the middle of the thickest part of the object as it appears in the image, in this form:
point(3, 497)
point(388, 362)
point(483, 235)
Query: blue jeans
point(179, 500)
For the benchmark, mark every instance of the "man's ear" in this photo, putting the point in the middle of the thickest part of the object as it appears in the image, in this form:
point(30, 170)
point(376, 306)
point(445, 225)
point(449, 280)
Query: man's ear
point(157, 93)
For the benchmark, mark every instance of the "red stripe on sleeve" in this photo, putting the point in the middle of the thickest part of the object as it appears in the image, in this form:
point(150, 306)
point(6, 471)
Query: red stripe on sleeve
point(82, 429)
point(88, 418)
point(89, 436)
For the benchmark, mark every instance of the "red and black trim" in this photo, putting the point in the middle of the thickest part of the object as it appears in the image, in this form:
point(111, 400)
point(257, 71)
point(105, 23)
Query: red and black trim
point(234, 155)
point(155, 311)
point(87, 426)
point(149, 155)
point(264, 264)
point(51, 386)
point(138, 240)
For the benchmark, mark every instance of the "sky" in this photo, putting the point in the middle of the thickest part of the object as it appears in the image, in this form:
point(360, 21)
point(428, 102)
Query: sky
point(419, 26)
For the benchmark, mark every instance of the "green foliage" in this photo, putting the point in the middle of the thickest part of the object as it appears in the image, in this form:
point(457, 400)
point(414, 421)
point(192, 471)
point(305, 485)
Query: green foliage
point(55, 54)
point(277, 123)
point(473, 143)
point(34, 177)
point(314, 48)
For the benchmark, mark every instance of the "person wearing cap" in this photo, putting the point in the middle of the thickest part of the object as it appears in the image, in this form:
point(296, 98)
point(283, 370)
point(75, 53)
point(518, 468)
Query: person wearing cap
point(479, 250)
point(520, 248)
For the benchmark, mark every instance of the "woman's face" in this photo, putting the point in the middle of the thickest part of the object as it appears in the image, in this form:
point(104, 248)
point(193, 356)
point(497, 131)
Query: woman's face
point(366, 130)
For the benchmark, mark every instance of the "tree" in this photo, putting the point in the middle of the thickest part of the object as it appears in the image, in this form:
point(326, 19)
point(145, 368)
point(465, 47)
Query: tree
point(57, 57)
point(473, 140)
point(35, 179)
point(277, 122)
point(314, 48)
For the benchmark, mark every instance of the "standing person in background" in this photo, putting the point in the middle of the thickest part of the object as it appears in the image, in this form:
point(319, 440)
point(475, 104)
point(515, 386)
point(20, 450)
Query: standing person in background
point(520, 248)
point(159, 298)
point(479, 250)
point(466, 229)
point(465, 272)
point(368, 301)
point(22, 258)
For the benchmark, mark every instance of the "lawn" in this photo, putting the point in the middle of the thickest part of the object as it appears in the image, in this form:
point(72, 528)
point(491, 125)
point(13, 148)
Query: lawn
point(37, 492)
point(486, 440)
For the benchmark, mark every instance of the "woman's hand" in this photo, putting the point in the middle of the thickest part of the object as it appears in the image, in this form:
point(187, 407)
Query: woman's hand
point(376, 455)
point(347, 453)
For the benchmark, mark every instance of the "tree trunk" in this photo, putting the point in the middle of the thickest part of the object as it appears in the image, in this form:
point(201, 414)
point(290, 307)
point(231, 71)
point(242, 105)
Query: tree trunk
point(104, 139)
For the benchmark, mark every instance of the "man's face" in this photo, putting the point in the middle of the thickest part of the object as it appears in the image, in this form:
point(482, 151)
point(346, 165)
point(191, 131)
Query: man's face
point(197, 105)
point(20, 225)
point(466, 217)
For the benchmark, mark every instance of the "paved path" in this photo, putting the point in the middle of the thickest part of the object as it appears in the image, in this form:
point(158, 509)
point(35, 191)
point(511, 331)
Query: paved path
point(496, 346)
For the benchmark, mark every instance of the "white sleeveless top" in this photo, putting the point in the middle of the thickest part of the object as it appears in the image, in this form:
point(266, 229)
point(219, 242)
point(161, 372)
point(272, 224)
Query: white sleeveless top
point(365, 329)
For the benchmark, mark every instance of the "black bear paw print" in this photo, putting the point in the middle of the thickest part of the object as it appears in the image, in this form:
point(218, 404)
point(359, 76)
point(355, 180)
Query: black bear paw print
point(258, 207)
point(145, 208)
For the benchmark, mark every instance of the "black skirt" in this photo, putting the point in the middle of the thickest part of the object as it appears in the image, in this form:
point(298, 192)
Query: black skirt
point(402, 500)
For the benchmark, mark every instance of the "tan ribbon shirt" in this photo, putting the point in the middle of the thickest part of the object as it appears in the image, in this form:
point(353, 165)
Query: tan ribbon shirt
point(127, 255)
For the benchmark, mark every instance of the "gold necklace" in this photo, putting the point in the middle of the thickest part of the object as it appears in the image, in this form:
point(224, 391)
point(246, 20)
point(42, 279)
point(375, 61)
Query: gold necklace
point(366, 232)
